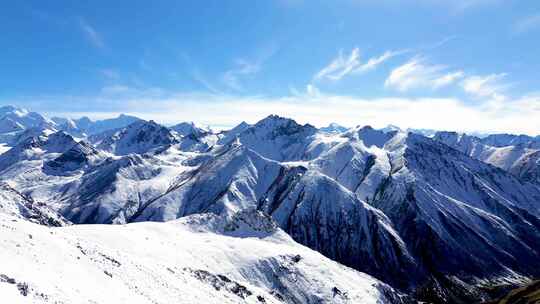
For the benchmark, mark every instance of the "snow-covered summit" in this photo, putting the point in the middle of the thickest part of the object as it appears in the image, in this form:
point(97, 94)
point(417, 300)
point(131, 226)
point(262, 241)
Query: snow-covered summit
point(138, 137)
point(189, 128)
point(369, 136)
point(333, 128)
point(13, 119)
point(278, 138)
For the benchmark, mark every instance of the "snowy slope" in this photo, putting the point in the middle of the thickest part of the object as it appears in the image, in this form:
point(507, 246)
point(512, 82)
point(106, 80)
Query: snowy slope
point(198, 259)
point(17, 205)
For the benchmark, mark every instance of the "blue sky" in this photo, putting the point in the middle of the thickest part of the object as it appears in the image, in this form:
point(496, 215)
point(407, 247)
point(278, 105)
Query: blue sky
point(467, 65)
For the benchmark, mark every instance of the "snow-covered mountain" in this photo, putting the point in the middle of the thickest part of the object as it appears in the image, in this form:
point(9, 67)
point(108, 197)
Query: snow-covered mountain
point(116, 189)
point(433, 217)
point(138, 137)
point(17, 123)
point(230, 135)
point(503, 140)
point(80, 156)
point(459, 215)
point(243, 259)
point(283, 139)
point(517, 154)
point(84, 126)
point(314, 209)
point(35, 147)
point(333, 128)
point(189, 128)
point(13, 119)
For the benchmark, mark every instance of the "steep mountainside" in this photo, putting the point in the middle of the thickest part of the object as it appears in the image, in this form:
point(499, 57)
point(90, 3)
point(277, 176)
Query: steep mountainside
point(459, 215)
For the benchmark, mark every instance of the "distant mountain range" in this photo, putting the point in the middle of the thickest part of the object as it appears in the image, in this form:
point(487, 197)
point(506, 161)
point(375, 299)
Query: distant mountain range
point(441, 217)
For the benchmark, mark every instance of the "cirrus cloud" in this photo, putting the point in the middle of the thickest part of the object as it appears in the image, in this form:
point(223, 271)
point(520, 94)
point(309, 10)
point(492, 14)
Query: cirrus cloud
point(417, 73)
point(342, 66)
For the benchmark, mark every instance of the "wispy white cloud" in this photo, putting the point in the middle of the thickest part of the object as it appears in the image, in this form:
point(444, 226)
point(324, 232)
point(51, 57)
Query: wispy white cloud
point(342, 66)
point(526, 24)
point(201, 79)
point(91, 34)
point(487, 86)
point(417, 73)
point(242, 69)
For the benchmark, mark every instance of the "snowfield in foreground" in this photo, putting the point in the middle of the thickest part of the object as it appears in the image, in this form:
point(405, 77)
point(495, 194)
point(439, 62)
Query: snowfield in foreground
point(196, 259)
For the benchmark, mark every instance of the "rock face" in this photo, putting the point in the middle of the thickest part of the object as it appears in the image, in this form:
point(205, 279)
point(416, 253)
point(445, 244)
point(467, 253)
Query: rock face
point(438, 217)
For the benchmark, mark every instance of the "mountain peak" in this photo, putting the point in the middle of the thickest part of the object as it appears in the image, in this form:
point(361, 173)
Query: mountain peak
point(12, 109)
point(140, 136)
point(333, 128)
point(189, 128)
point(274, 121)
point(370, 136)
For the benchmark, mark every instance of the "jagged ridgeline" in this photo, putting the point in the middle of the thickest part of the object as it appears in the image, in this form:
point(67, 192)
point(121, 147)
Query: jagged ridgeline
point(449, 218)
